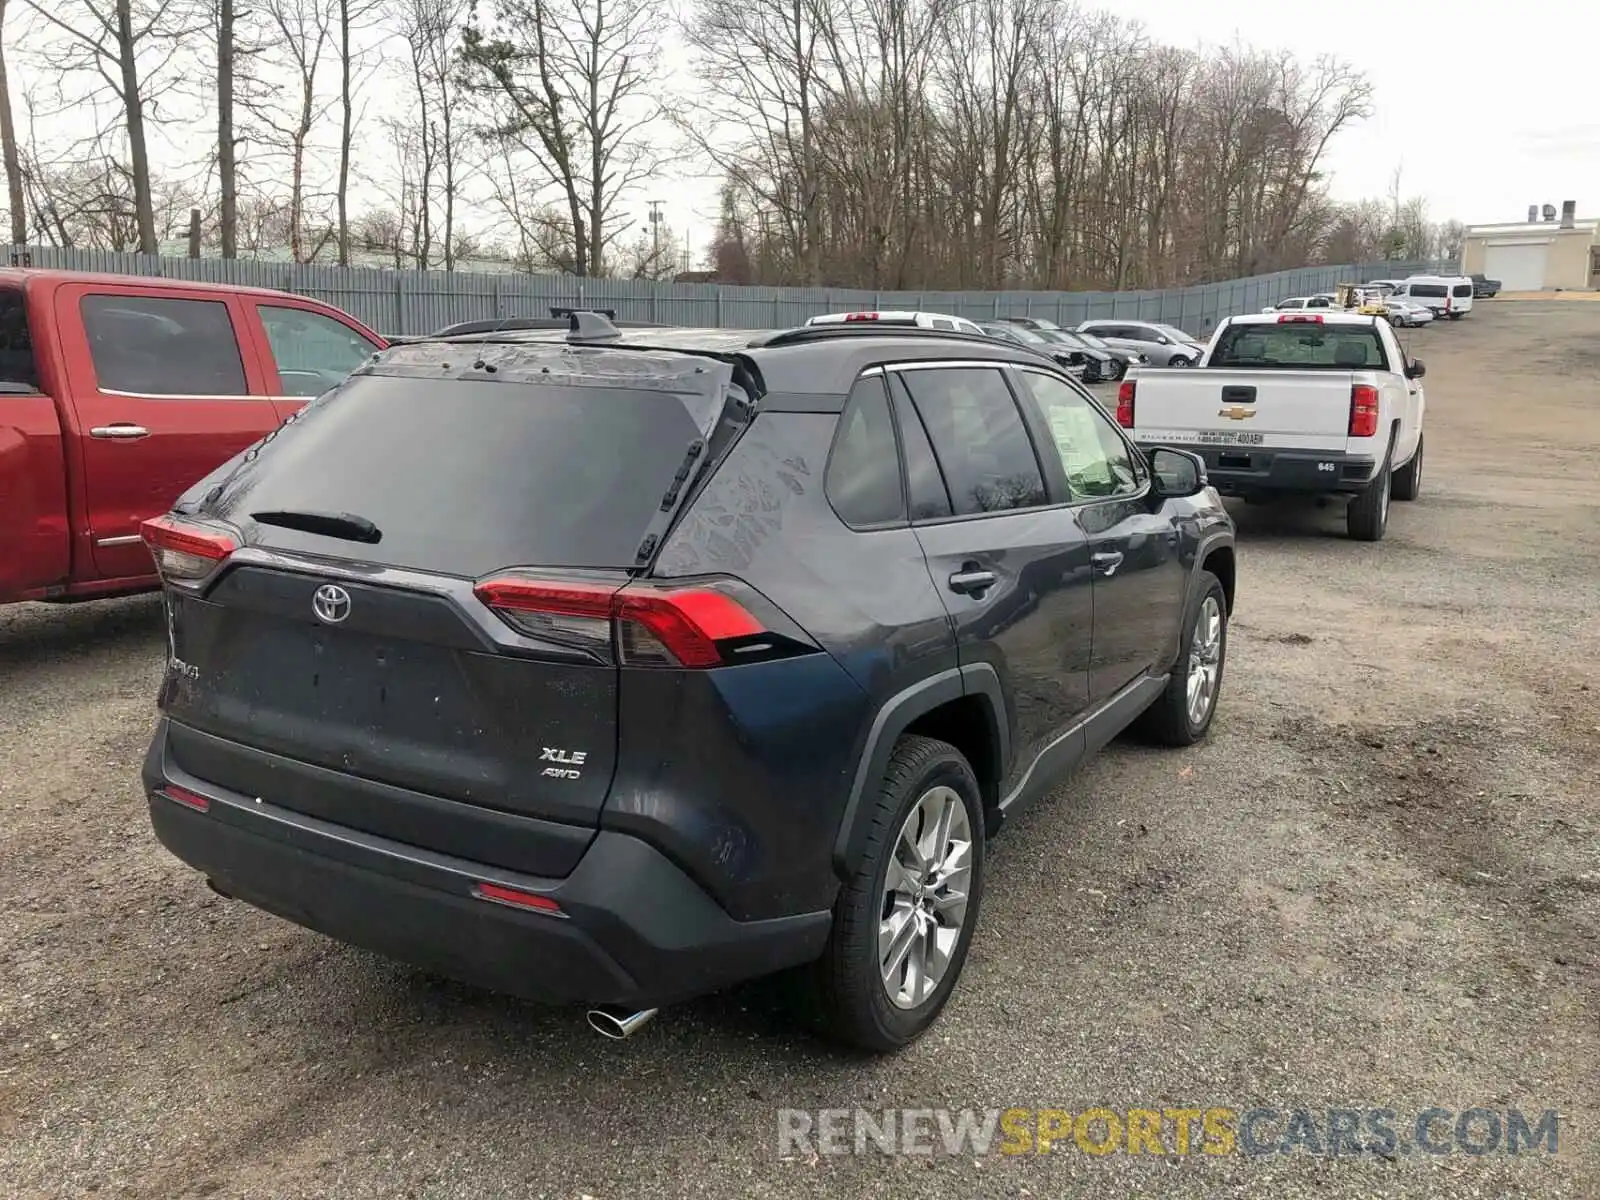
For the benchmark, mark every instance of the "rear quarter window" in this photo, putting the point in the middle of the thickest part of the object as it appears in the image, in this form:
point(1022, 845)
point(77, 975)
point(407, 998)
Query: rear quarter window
point(863, 475)
point(1462, 290)
point(1434, 291)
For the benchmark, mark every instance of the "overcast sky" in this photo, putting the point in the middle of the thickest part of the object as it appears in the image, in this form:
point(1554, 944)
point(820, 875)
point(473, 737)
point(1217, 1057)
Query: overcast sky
point(1487, 107)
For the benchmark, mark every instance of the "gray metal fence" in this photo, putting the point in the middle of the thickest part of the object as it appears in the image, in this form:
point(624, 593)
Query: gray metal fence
point(416, 302)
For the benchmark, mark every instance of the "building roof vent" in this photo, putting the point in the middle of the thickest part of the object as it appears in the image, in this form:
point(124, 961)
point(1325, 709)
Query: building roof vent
point(1569, 214)
point(1533, 214)
point(1549, 212)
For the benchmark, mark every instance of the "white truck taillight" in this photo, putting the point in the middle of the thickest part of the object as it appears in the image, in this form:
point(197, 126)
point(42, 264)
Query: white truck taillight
point(1125, 396)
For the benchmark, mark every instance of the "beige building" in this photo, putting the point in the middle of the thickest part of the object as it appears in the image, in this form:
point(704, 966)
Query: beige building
point(1558, 253)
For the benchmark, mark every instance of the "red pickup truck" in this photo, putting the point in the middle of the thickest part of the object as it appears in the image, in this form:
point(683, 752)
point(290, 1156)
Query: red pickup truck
point(117, 392)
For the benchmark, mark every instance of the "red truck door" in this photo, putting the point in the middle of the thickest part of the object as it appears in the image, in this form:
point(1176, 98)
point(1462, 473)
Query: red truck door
point(164, 391)
point(308, 347)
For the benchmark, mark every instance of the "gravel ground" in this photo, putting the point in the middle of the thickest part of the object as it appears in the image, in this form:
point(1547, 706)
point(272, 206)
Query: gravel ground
point(1377, 885)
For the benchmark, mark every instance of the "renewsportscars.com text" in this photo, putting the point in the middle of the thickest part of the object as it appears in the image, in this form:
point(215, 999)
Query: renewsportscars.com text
point(1216, 1131)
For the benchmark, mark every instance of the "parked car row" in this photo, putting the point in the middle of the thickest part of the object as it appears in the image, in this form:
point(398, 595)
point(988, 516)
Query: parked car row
point(1100, 350)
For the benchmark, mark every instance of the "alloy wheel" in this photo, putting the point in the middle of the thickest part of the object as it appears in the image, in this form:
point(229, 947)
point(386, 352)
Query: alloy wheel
point(925, 897)
point(1205, 661)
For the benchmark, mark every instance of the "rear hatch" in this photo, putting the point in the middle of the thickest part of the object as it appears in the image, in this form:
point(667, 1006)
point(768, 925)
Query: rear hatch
point(1284, 384)
point(359, 655)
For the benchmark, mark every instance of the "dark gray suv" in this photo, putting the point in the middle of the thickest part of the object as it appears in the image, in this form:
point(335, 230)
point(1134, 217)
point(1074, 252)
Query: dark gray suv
point(615, 667)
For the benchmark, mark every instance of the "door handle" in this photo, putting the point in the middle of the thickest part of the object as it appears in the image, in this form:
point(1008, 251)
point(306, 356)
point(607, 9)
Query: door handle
point(121, 432)
point(971, 581)
point(1106, 562)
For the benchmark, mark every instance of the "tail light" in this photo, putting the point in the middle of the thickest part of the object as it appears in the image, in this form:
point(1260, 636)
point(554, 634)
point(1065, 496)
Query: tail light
point(663, 627)
point(185, 552)
point(1447, 303)
point(863, 316)
point(1300, 319)
point(1125, 395)
point(1363, 410)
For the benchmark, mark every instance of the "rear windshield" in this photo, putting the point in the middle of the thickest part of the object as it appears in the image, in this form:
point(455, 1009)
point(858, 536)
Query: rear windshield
point(1434, 290)
point(1299, 346)
point(1461, 289)
point(465, 477)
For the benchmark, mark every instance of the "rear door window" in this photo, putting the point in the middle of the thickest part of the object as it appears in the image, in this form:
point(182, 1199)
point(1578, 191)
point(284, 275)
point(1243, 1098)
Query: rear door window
point(978, 436)
point(467, 476)
point(1461, 291)
point(1432, 291)
point(313, 352)
point(863, 476)
point(17, 371)
point(161, 346)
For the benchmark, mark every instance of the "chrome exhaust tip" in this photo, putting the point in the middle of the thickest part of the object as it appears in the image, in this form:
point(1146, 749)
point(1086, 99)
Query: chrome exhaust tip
point(619, 1023)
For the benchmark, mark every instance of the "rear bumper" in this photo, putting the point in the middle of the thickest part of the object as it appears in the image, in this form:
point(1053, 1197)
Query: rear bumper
point(1246, 471)
point(634, 929)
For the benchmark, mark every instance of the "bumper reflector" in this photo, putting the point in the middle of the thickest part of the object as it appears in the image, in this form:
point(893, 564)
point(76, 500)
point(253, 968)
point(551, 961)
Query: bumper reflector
point(494, 893)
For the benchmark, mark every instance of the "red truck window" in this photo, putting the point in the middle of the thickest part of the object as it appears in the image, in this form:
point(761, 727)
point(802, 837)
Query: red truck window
point(152, 346)
point(17, 371)
point(313, 352)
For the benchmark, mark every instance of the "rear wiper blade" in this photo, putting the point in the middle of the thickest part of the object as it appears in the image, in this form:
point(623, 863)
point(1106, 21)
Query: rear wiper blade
point(345, 526)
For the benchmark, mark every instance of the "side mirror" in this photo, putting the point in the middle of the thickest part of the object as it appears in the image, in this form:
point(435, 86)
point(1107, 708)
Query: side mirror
point(1417, 369)
point(1177, 473)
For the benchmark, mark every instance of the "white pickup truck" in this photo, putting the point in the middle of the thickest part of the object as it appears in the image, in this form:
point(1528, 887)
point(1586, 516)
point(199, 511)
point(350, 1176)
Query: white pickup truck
point(1293, 403)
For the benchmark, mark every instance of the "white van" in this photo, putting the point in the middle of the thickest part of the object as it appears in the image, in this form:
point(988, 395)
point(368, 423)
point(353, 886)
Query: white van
point(1448, 295)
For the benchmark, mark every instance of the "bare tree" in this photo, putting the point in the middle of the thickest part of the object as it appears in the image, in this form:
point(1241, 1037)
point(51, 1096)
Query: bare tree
point(299, 34)
point(8, 149)
point(227, 145)
point(127, 45)
point(431, 29)
point(767, 72)
point(571, 88)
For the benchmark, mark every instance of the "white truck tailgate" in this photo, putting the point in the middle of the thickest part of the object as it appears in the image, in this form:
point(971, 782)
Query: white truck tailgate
point(1284, 409)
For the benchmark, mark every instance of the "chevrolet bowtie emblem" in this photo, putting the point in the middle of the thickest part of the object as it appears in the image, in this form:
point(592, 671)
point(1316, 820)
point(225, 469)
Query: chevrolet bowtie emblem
point(1236, 413)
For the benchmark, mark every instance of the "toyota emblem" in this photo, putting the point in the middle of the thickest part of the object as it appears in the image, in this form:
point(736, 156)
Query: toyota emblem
point(331, 603)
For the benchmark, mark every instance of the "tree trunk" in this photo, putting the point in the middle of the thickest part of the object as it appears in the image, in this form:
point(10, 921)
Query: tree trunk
point(449, 149)
point(138, 152)
point(8, 144)
point(347, 114)
point(227, 171)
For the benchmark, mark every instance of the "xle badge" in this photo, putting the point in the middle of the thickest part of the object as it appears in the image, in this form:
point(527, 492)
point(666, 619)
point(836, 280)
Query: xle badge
point(570, 760)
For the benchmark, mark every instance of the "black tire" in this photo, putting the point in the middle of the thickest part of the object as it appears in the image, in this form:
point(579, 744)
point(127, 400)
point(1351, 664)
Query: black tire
point(851, 999)
point(1168, 722)
point(1408, 479)
point(1455, 316)
point(1367, 518)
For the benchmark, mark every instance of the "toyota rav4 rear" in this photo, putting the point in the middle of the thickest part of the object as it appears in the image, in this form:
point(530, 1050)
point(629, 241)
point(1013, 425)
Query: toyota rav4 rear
point(403, 631)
